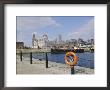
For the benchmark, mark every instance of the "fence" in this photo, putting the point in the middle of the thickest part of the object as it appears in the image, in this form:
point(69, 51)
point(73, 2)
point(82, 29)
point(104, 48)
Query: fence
point(30, 55)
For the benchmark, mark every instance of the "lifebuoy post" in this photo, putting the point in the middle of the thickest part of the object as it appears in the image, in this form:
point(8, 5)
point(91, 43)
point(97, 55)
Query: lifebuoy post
point(30, 57)
point(71, 61)
point(72, 70)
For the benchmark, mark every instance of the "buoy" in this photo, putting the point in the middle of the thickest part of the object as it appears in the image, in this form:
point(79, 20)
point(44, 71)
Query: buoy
point(71, 58)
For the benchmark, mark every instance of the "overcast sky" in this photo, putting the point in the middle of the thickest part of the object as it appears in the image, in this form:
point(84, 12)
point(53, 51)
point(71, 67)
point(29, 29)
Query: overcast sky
point(70, 27)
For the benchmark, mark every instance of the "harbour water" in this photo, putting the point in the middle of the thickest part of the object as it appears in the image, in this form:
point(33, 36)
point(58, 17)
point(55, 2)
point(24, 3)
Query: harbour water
point(85, 59)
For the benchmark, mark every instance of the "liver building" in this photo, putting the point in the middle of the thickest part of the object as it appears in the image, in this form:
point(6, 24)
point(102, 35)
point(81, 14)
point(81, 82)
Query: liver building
point(39, 42)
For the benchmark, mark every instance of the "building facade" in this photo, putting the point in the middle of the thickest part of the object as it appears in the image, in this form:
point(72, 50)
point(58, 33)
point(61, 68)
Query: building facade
point(19, 45)
point(39, 42)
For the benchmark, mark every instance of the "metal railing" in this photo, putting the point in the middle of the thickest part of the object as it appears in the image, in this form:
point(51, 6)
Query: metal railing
point(31, 57)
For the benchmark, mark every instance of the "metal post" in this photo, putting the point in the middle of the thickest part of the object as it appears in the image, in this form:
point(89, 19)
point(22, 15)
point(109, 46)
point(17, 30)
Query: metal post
point(21, 55)
point(46, 61)
point(30, 57)
point(72, 70)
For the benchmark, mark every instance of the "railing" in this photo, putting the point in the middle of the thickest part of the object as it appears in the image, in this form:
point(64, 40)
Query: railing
point(31, 57)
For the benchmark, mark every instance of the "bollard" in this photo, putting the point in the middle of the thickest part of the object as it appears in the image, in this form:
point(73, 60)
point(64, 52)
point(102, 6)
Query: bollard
point(21, 55)
point(46, 61)
point(72, 70)
point(30, 57)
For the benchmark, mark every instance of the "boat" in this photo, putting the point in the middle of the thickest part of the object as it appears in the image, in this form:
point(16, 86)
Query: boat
point(58, 51)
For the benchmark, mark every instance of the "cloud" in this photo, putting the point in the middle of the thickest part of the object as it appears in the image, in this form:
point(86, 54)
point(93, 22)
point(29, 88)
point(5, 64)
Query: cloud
point(27, 25)
point(34, 22)
point(86, 31)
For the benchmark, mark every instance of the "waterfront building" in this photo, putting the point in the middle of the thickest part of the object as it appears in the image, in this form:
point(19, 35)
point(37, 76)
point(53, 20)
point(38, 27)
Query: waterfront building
point(19, 45)
point(39, 42)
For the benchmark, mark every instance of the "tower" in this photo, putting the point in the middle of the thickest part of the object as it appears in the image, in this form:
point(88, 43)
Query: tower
point(45, 37)
point(34, 41)
point(59, 38)
point(45, 40)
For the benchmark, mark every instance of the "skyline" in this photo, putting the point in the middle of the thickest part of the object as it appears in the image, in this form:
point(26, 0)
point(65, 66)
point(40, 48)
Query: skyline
point(70, 27)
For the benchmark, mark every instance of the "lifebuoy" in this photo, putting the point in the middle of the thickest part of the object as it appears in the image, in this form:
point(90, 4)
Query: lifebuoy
point(74, 58)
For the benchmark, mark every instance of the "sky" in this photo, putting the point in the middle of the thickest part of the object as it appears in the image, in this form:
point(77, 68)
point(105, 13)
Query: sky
point(69, 27)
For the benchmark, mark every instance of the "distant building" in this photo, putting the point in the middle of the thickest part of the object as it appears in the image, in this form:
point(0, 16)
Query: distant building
point(91, 41)
point(74, 41)
point(19, 45)
point(39, 42)
point(59, 39)
point(80, 41)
